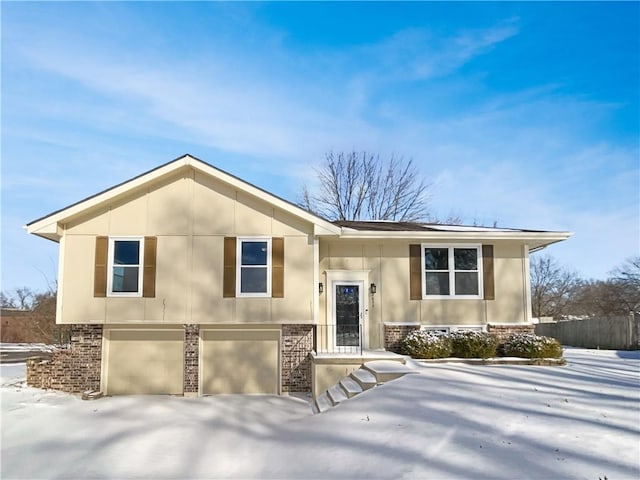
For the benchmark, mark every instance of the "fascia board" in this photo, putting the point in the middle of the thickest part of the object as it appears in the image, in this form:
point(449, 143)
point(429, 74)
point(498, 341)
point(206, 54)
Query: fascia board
point(536, 238)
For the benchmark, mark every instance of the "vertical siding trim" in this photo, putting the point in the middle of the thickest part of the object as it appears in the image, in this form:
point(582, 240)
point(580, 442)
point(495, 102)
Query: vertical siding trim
point(229, 268)
point(149, 267)
point(415, 272)
point(100, 267)
point(487, 272)
point(277, 267)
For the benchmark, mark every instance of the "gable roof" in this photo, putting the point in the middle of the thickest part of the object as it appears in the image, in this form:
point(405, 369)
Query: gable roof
point(49, 225)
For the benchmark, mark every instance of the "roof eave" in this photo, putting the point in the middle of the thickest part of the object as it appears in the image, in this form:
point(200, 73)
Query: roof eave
point(535, 239)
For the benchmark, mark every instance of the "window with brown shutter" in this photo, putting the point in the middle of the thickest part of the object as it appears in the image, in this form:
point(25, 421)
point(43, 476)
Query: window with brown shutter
point(277, 267)
point(100, 267)
point(415, 272)
point(149, 267)
point(442, 272)
point(229, 268)
point(487, 272)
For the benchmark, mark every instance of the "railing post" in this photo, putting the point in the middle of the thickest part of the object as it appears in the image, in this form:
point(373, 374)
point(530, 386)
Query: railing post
point(315, 337)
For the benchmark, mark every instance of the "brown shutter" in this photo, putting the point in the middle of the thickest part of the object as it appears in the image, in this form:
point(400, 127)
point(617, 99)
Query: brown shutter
point(277, 267)
point(100, 269)
point(149, 269)
point(415, 272)
point(487, 272)
point(229, 269)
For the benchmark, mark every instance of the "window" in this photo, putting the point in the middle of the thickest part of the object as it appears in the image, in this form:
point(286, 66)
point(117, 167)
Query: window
point(254, 267)
point(452, 271)
point(125, 267)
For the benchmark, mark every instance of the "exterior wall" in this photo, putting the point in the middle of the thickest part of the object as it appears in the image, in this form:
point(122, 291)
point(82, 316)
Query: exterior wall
point(73, 370)
point(191, 359)
point(394, 334)
point(388, 265)
point(328, 371)
point(503, 332)
point(297, 345)
point(190, 214)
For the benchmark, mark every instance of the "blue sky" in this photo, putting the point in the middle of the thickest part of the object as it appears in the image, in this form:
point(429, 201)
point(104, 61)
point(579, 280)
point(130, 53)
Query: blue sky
point(522, 114)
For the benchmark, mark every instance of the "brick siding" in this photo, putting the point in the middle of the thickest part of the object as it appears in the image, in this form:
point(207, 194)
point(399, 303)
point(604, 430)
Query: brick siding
point(75, 369)
point(503, 332)
point(191, 358)
point(297, 345)
point(394, 334)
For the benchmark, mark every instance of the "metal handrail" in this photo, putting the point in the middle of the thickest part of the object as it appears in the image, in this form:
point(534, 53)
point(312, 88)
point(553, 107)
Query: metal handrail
point(333, 338)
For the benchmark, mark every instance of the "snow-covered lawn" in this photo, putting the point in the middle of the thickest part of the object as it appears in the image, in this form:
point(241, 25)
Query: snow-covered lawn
point(450, 421)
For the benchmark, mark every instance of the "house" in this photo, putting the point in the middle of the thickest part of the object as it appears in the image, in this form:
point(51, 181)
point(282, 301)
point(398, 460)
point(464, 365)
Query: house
point(187, 280)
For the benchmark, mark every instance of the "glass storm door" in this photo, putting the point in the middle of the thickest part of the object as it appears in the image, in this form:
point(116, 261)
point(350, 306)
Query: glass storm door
point(348, 314)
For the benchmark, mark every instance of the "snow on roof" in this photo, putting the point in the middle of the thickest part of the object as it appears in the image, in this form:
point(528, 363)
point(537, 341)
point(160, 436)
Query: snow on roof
point(392, 226)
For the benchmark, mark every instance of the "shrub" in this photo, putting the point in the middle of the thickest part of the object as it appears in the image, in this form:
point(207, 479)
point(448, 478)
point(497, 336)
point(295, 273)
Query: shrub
point(427, 344)
point(532, 346)
point(473, 344)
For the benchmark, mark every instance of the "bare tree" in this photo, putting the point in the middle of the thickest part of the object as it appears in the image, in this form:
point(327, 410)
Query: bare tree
point(552, 287)
point(616, 296)
point(36, 321)
point(360, 186)
point(24, 298)
point(6, 300)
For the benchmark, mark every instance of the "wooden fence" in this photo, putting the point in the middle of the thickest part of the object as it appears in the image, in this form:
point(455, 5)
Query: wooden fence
point(614, 333)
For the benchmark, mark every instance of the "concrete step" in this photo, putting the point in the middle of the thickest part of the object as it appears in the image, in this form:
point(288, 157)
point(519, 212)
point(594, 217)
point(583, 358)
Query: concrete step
point(350, 386)
point(336, 394)
point(365, 378)
point(385, 370)
point(322, 403)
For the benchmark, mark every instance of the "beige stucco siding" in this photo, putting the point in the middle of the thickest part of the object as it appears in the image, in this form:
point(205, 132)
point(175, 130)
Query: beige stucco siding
point(387, 264)
point(76, 293)
point(190, 214)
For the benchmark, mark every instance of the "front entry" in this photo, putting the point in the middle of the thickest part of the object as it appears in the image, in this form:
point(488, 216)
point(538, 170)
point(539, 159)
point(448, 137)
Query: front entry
point(348, 317)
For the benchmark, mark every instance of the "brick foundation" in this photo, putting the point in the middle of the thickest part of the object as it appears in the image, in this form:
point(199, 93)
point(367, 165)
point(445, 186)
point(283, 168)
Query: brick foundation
point(394, 334)
point(297, 345)
point(503, 332)
point(191, 358)
point(74, 369)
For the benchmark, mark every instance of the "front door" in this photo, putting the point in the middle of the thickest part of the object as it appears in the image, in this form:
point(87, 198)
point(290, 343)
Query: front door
point(348, 316)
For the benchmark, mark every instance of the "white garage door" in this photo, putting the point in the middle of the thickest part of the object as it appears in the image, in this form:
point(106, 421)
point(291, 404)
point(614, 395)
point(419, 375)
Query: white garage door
point(240, 361)
point(144, 362)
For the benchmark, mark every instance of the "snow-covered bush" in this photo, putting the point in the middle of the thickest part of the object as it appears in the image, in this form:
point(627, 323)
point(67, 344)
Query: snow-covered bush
point(473, 344)
point(532, 346)
point(427, 344)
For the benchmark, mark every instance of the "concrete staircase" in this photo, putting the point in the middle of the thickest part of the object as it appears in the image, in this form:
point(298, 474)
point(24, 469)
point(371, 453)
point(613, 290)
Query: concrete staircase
point(367, 376)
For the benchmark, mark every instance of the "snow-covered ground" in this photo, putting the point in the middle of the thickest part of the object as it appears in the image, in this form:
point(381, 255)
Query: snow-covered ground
point(450, 421)
point(26, 347)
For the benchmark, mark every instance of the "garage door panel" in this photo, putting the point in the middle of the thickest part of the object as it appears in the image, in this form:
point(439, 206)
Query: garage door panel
point(145, 362)
point(240, 361)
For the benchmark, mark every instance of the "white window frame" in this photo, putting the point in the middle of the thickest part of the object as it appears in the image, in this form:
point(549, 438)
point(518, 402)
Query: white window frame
point(452, 271)
point(110, 265)
point(239, 267)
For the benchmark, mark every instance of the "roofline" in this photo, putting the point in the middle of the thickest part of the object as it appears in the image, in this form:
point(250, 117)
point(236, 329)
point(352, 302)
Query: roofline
point(44, 226)
point(540, 239)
